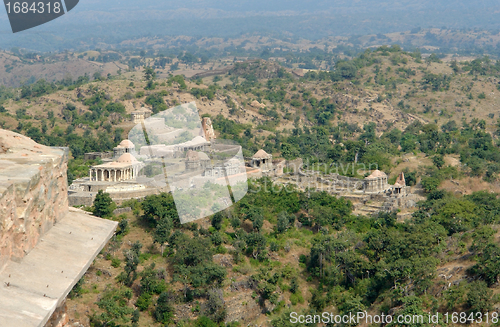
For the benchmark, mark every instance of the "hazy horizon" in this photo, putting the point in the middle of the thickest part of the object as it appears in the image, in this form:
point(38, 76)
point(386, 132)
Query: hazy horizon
point(113, 21)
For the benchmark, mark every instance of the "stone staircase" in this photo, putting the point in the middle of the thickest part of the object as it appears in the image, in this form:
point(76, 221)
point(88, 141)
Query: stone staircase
point(370, 208)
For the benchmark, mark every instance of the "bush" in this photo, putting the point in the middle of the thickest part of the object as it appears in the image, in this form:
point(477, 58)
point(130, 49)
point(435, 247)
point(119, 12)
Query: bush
point(217, 220)
point(115, 262)
point(430, 184)
point(205, 322)
point(215, 307)
point(76, 291)
point(296, 298)
point(164, 311)
point(143, 302)
point(479, 297)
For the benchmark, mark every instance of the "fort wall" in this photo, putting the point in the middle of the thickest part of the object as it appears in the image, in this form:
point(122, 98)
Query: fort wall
point(33, 193)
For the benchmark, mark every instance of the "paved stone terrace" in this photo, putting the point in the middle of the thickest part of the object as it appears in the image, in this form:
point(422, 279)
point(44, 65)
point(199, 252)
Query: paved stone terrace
point(33, 288)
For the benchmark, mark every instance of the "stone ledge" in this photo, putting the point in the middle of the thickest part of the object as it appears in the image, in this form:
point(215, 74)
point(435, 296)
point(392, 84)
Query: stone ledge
point(33, 193)
point(30, 290)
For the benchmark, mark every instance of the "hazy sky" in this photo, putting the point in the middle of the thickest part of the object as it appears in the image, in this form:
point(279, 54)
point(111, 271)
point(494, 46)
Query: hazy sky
point(115, 20)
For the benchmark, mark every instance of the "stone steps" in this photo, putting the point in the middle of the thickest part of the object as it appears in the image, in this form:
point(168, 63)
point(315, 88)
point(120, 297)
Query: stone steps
point(366, 211)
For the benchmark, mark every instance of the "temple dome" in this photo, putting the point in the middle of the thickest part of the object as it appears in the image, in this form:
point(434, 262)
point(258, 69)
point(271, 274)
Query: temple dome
point(127, 158)
point(126, 144)
point(198, 139)
point(376, 174)
point(203, 156)
point(261, 154)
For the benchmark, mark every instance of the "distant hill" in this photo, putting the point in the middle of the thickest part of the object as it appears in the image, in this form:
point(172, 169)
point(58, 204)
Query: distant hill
point(97, 23)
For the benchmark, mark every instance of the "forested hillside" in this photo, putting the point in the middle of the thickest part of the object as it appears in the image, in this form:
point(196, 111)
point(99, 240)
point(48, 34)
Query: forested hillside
point(282, 250)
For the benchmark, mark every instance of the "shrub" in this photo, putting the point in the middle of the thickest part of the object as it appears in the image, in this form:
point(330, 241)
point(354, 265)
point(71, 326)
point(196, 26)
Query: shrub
point(296, 298)
point(164, 310)
point(115, 262)
point(143, 302)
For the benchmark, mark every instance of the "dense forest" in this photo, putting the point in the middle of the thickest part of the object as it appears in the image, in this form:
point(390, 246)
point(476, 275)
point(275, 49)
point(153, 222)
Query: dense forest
point(351, 263)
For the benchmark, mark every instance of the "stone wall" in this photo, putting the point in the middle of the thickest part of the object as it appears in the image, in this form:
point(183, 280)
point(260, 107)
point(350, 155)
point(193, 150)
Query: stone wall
point(98, 155)
point(87, 198)
point(294, 165)
point(33, 193)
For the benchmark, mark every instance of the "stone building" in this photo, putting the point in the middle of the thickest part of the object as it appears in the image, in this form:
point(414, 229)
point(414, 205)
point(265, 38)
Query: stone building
point(197, 144)
point(400, 188)
point(139, 116)
point(196, 161)
point(98, 155)
point(369, 195)
point(126, 167)
point(376, 182)
point(231, 167)
point(261, 159)
point(278, 167)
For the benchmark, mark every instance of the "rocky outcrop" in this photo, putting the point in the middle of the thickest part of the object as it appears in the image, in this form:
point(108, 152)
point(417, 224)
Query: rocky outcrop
point(242, 307)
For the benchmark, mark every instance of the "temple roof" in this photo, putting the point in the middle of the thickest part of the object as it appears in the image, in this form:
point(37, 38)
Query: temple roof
point(261, 154)
point(400, 181)
point(126, 158)
point(203, 156)
point(376, 174)
point(126, 144)
point(124, 161)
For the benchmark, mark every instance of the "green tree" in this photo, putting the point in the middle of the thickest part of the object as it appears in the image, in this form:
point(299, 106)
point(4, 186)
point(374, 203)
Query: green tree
point(122, 227)
point(162, 232)
point(217, 219)
point(164, 311)
point(114, 308)
point(215, 306)
point(430, 184)
point(479, 297)
point(103, 205)
point(149, 75)
point(203, 321)
point(488, 264)
point(257, 223)
point(438, 161)
point(283, 222)
point(294, 285)
point(412, 306)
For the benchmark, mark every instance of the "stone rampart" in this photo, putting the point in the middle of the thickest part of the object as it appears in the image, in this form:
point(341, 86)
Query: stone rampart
point(33, 193)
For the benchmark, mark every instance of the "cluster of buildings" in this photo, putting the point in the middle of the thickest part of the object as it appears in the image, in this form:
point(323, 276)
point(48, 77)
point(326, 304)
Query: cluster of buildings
point(132, 171)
